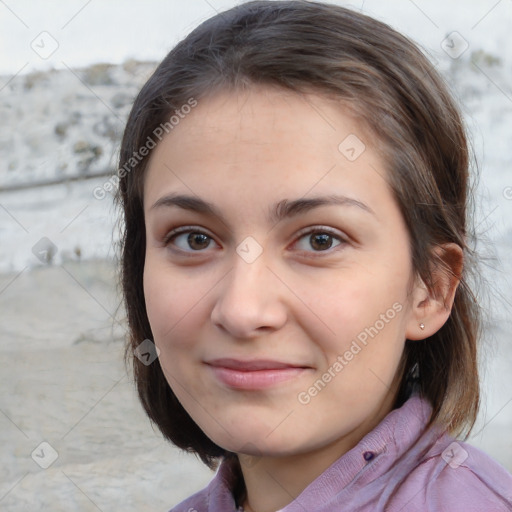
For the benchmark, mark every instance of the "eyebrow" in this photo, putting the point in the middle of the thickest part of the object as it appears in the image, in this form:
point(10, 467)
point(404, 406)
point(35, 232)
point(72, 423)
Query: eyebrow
point(282, 209)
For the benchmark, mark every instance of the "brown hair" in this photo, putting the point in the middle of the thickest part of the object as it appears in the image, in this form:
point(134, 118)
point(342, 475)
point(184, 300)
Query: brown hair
point(396, 94)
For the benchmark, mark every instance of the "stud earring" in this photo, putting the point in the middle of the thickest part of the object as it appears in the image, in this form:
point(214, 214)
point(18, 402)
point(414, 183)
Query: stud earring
point(422, 326)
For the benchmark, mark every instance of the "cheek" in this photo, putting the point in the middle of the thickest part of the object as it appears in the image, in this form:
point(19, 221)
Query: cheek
point(355, 300)
point(166, 301)
point(157, 299)
point(365, 314)
point(171, 317)
point(177, 308)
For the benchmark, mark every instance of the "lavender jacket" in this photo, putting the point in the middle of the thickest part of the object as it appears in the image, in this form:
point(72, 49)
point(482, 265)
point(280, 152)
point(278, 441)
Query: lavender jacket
point(398, 466)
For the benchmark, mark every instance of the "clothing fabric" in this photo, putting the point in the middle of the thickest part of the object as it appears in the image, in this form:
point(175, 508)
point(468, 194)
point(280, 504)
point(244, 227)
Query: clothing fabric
point(398, 466)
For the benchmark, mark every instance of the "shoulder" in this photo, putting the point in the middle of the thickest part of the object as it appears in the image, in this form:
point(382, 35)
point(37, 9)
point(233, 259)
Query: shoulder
point(198, 502)
point(217, 496)
point(457, 476)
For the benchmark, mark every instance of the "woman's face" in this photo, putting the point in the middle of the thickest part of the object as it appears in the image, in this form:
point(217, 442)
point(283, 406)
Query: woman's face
point(280, 317)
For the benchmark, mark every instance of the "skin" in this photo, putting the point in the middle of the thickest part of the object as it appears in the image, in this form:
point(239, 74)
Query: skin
point(295, 302)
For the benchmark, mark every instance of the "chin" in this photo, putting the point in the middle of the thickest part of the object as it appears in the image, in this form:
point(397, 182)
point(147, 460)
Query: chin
point(254, 441)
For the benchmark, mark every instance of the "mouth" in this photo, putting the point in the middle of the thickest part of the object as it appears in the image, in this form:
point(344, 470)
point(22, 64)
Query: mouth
point(254, 374)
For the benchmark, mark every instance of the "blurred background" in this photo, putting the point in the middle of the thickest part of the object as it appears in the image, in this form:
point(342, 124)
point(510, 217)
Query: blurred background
point(72, 433)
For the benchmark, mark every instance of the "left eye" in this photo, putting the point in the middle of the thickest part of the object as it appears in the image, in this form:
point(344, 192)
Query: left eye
point(320, 239)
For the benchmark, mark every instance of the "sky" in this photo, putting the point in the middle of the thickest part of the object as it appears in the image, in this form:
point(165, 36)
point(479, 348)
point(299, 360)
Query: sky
point(74, 33)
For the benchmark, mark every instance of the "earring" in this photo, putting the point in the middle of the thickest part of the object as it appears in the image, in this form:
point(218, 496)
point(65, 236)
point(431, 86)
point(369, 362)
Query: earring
point(422, 326)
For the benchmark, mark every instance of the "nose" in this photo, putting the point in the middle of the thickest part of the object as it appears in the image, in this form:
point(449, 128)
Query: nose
point(251, 300)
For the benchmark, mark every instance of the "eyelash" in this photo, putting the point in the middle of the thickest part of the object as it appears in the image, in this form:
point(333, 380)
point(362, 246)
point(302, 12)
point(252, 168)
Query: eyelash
point(307, 231)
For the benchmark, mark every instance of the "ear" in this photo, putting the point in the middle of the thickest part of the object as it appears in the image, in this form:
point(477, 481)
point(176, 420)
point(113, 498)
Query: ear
point(432, 309)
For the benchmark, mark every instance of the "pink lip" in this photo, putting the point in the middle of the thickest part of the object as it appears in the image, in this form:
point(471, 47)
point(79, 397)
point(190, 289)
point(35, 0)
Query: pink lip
point(254, 374)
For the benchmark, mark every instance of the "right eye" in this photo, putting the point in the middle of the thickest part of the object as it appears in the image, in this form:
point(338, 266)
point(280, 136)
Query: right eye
point(195, 241)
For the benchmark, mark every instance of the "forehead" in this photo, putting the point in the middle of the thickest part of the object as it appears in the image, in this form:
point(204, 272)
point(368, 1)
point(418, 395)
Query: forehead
point(264, 142)
point(265, 116)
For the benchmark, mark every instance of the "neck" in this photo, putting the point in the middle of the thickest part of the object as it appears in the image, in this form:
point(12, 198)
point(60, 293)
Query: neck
point(272, 482)
point(275, 482)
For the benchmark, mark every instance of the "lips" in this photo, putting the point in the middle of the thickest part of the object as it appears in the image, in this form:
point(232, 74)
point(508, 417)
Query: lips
point(252, 365)
point(254, 374)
